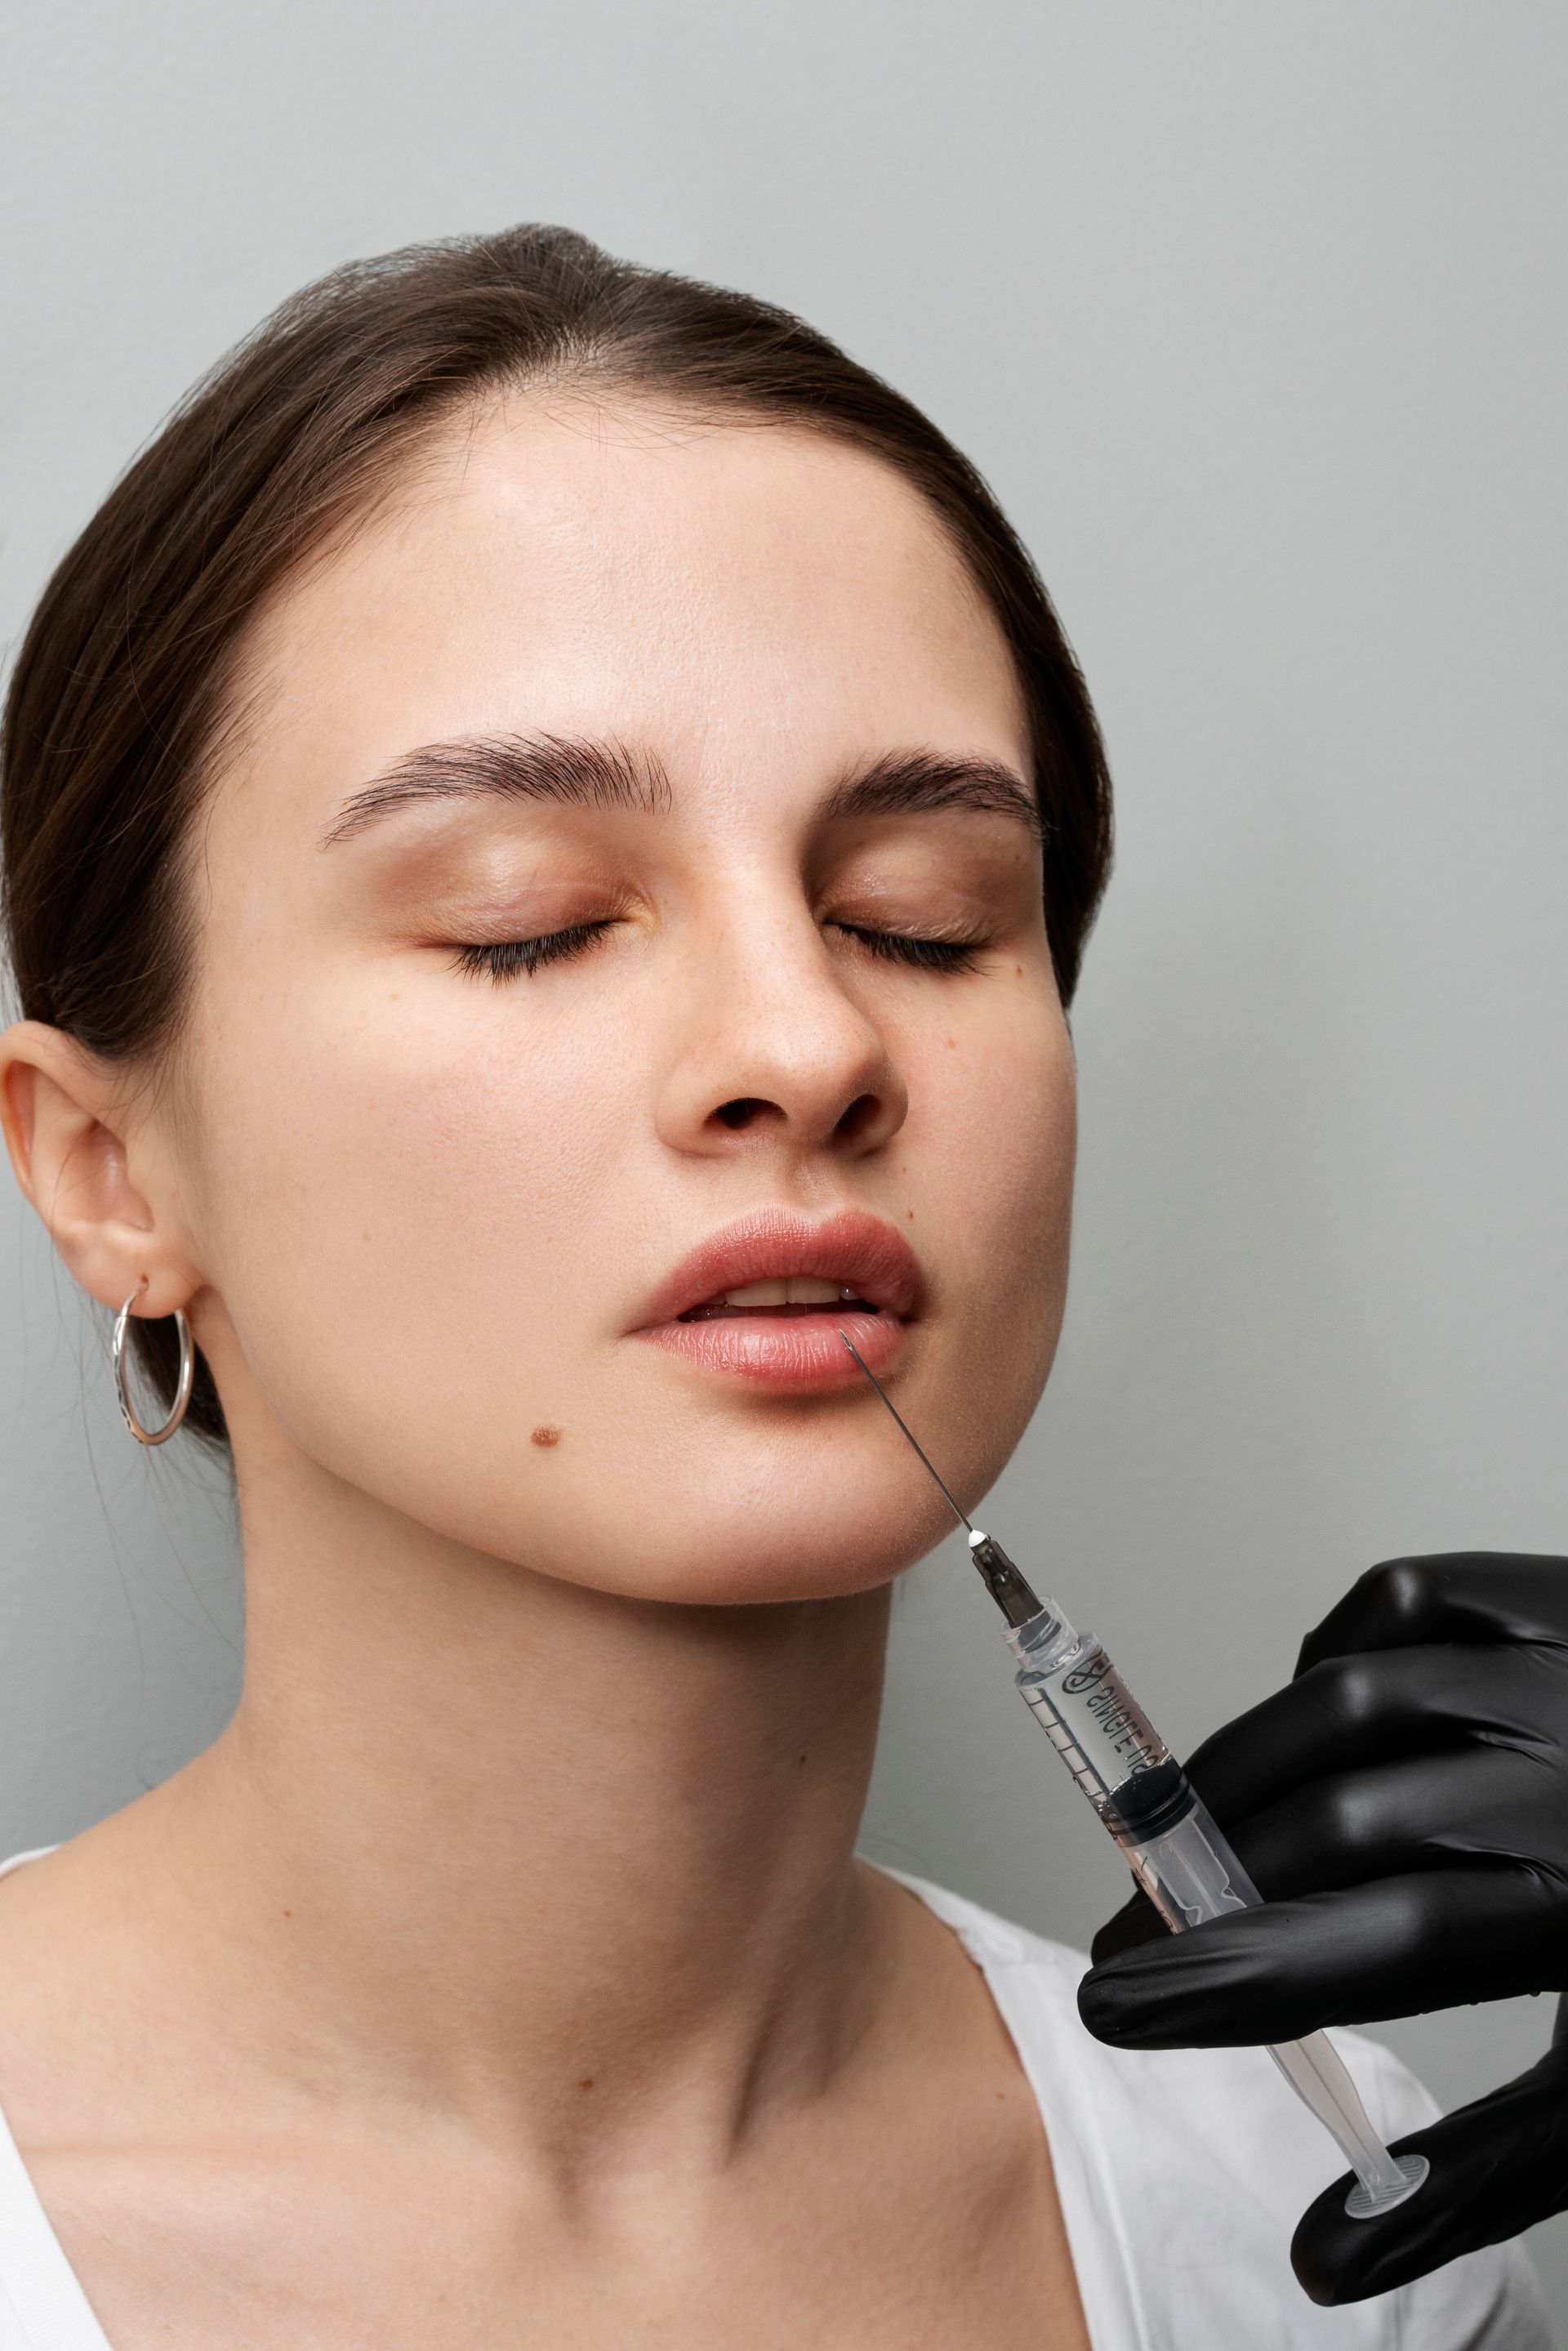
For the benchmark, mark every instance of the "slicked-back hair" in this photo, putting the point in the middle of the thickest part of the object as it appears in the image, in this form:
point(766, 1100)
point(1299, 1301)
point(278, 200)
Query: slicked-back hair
point(114, 720)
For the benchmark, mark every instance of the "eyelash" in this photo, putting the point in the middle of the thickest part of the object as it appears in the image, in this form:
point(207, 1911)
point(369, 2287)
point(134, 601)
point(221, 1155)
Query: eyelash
point(504, 959)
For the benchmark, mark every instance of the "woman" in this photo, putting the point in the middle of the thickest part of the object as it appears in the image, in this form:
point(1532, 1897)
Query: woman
point(549, 828)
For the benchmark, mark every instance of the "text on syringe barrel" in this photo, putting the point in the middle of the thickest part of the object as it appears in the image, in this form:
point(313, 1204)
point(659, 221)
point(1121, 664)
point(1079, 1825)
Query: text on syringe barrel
point(1086, 1710)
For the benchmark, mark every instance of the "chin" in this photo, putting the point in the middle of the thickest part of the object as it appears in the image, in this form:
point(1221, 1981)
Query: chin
point(740, 1582)
point(718, 1560)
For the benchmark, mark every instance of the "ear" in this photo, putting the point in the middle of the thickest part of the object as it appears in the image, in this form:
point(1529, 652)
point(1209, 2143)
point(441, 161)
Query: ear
point(89, 1171)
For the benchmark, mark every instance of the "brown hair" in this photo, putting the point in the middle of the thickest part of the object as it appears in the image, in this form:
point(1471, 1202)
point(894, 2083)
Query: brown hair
point(114, 720)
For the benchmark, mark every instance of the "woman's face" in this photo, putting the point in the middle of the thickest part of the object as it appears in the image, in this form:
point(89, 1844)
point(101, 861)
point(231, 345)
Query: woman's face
point(619, 670)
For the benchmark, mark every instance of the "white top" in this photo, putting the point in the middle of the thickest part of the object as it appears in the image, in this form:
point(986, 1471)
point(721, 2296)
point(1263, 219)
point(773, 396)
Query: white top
point(1181, 2174)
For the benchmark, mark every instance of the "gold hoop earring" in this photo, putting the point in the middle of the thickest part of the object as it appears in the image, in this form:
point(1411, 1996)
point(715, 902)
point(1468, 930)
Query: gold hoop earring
point(181, 1392)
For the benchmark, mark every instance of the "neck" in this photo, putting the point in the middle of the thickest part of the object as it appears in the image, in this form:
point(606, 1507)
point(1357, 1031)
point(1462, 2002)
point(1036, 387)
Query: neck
point(524, 1850)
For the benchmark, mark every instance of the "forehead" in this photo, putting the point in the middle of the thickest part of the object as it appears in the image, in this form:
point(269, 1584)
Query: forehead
point(757, 602)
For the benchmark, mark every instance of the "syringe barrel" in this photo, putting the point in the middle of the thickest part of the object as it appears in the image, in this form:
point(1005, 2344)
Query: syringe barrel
point(1127, 1772)
point(1083, 1707)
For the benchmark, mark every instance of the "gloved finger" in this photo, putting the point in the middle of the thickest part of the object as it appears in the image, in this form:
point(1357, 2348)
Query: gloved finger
point(1428, 1811)
point(1333, 1834)
point(1400, 1947)
point(1138, 1921)
point(1474, 1595)
point(1498, 2167)
point(1375, 1707)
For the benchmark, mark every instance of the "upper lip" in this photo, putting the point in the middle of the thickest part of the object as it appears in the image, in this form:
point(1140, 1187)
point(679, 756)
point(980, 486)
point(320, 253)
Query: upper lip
point(859, 1251)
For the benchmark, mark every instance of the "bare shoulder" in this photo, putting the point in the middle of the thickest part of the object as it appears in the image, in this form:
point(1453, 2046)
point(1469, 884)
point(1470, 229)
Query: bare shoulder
point(58, 1954)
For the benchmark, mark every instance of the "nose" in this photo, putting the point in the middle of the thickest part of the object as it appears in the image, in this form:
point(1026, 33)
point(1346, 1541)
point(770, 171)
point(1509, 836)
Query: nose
point(772, 1047)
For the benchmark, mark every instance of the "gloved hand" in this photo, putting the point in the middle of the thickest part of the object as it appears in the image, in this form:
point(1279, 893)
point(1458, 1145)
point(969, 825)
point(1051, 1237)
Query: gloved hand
point(1403, 1808)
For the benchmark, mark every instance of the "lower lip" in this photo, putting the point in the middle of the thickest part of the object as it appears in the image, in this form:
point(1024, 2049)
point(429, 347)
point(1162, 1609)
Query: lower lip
point(798, 1353)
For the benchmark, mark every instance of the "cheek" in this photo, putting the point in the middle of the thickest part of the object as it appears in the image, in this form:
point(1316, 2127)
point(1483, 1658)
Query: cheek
point(396, 1208)
point(1006, 1127)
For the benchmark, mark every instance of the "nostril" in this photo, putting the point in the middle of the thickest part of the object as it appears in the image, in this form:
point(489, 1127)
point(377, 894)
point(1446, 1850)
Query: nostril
point(858, 1117)
point(741, 1112)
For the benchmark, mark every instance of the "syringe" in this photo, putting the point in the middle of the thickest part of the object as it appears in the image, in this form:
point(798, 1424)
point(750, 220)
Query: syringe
point(1174, 1849)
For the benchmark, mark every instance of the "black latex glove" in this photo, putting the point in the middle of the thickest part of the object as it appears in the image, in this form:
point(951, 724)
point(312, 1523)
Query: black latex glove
point(1403, 1808)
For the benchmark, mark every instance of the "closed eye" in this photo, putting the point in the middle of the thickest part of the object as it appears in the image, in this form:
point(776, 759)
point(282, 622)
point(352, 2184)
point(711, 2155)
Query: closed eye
point(926, 955)
point(503, 959)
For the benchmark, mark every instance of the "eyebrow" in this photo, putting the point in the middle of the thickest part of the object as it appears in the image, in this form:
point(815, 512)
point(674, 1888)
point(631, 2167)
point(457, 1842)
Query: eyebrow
point(576, 772)
point(911, 782)
point(557, 767)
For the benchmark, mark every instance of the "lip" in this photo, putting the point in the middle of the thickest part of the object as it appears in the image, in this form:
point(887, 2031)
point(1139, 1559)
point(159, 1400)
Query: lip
point(856, 1250)
point(853, 1248)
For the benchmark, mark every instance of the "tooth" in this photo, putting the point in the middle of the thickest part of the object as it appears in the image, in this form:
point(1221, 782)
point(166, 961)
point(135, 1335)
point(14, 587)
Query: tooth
point(806, 1290)
point(759, 1293)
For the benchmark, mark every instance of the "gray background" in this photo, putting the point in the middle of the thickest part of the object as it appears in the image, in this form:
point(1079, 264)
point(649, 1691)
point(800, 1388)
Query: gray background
point(1253, 316)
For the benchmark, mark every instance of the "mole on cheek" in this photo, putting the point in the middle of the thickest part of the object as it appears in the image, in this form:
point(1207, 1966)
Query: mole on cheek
point(547, 1436)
